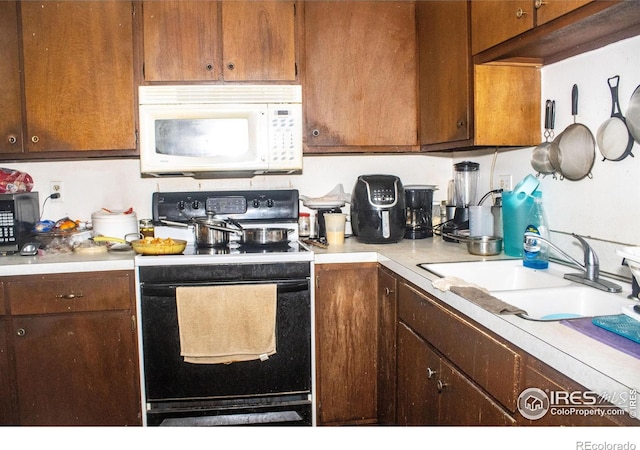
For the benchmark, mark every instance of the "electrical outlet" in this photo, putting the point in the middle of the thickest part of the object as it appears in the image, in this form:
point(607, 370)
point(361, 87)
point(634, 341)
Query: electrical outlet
point(57, 187)
point(506, 182)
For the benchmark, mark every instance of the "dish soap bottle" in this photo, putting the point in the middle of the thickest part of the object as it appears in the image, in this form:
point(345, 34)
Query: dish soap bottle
point(536, 252)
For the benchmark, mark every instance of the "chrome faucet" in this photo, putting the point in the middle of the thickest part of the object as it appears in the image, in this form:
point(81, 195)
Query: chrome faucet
point(591, 266)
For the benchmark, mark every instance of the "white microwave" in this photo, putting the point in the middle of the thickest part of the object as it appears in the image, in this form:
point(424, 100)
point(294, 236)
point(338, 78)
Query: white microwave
point(210, 131)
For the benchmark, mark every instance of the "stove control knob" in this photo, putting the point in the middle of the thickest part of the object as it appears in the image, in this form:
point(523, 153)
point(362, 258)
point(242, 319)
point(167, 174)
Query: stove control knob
point(195, 204)
point(181, 205)
point(270, 203)
point(256, 203)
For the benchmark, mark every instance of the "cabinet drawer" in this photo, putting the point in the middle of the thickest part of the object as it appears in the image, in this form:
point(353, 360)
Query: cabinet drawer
point(493, 365)
point(58, 293)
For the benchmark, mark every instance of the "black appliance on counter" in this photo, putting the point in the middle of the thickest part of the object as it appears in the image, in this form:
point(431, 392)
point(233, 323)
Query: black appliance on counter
point(378, 213)
point(276, 391)
point(19, 214)
point(419, 199)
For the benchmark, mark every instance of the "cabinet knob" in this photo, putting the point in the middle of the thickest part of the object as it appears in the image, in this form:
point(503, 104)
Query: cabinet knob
point(388, 291)
point(231, 66)
point(69, 296)
point(315, 133)
point(209, 67)
point(430, 373)
point(460, 123)
point(21, 332)
point(520, 13)
point(35, 139)
point(13, 139)
point(441, 385)
point(539, 4)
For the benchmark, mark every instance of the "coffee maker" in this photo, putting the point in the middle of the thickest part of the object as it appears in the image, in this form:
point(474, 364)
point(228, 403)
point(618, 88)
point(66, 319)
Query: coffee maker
point(465, 179)
point(419, 202)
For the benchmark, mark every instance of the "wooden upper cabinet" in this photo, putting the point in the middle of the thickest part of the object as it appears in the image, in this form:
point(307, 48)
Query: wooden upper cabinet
point(212, 40)
point(180, 40)
point(10, 98)
point(258, 41)
point(548, 10)
point(78, 75)
point(495, 21)
point(445, 72)
point(360, 76)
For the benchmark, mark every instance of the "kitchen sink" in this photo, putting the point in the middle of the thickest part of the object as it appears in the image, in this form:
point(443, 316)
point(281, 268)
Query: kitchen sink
point(566, 302)
point(503, 275)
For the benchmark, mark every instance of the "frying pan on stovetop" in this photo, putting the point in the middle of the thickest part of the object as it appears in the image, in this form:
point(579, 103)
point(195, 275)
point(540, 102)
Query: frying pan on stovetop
point(614, 138)
point(573, 151)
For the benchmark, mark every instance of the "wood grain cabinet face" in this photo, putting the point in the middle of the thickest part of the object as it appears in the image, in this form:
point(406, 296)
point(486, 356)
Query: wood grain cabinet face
point(74, 341)
point(10, 98)
point(78, 76)
point(360, 78)
point(387, 324)
point(6, 416)
point(212, 40)
point(346, 343)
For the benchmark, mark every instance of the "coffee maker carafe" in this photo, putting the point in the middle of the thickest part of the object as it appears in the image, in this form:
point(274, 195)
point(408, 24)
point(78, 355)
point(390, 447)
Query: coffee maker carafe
point(465, 187)
point(419, 201)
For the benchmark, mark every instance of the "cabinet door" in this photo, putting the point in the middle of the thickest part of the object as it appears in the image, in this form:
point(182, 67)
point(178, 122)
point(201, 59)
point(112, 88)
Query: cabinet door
point(418, 369)
point(346, 343)
point(10, 99)
point(445, 71)
point(76, 369)
point(387, 323)
point(5, 386)
point(360, 76)
point(258, 41)
point(180, 40)
point(78, 75)
point(495, 21)
point(464, 404)
point(552, 9)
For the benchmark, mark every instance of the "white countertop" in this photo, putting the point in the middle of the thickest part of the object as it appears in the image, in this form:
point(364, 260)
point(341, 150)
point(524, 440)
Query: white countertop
point(594, 365)
point(590, 363)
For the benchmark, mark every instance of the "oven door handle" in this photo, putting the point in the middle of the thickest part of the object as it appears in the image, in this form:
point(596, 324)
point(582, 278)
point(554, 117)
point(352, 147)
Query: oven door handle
point(169, 289)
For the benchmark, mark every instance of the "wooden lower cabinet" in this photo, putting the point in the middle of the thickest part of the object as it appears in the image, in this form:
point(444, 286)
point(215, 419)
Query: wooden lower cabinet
point(73, 341)
point(431, 391)
point(5, 390)
point(387, 326)
point(346, 343)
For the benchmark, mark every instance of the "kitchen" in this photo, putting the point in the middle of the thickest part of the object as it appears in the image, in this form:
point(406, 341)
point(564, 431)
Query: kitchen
point(589, 207)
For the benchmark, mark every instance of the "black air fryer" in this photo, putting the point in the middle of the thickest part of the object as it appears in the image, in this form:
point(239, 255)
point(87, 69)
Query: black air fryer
point(378, 213)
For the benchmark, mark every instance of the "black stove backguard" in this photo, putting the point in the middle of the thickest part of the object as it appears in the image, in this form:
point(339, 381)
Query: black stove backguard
point(271, 392)
point(280, 205)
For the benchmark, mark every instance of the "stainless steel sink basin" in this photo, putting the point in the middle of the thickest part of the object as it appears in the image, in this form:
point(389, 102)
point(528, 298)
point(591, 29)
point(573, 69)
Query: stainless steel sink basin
point(503, 275)
point(564, 302)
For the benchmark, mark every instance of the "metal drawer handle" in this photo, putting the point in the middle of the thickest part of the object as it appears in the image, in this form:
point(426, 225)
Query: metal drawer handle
point(520, 13)
point(70, 296)
point(388, 291)
point(441, 385)
point(430, 372)
point(12, 139)
point(21, 332)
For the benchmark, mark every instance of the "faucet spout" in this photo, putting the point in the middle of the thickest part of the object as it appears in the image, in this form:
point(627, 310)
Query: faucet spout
point(590, 268)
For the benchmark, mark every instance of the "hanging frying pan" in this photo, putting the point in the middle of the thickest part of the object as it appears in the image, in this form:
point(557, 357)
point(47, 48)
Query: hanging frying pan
point(540, 156)
point(633, 115)
point(613, 137)
point(574, 150)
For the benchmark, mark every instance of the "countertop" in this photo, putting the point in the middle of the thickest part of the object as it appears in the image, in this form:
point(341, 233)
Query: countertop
point(596, 366)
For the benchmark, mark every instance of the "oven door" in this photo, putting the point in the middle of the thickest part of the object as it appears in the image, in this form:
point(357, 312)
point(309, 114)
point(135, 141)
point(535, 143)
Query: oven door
point(177, 389)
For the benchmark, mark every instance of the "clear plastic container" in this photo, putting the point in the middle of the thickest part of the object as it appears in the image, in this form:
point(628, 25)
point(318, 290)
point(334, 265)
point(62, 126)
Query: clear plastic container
point(304, 225)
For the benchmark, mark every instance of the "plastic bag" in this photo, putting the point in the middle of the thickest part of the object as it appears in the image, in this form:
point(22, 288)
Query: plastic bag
point(12, 181)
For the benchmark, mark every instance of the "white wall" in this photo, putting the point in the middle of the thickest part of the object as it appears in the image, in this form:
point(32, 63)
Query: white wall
point(605, 207)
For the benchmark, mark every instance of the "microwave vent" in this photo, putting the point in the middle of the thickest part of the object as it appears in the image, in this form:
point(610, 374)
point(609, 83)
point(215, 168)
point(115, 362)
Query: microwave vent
point(209, 94)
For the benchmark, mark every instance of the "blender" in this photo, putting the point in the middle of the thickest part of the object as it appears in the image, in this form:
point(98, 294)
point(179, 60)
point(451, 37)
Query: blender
point(465, 181)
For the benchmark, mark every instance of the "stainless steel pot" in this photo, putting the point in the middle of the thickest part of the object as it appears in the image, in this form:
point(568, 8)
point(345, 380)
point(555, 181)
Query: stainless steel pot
point(261, 236)
point(484, 245)
point(209, 232)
